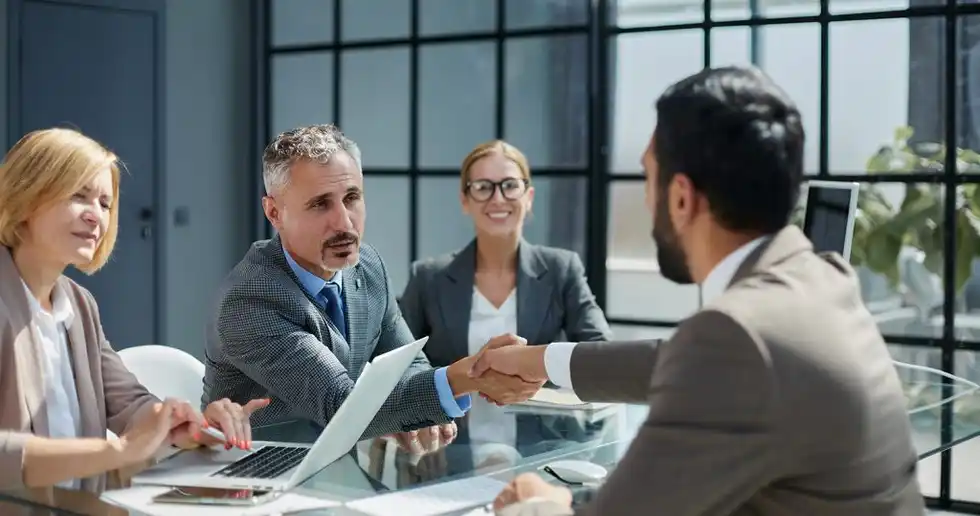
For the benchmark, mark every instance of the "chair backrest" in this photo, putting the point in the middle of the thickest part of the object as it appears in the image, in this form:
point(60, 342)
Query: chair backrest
point(166, 372)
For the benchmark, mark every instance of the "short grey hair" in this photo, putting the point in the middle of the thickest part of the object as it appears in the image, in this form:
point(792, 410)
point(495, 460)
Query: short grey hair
point(317, 143)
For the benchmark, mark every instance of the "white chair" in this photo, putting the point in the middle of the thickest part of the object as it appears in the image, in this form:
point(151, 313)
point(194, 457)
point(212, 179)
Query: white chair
point(166, 372)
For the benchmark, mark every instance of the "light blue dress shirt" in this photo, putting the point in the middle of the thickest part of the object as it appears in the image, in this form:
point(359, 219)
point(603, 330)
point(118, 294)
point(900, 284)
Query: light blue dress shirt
point(313, 285)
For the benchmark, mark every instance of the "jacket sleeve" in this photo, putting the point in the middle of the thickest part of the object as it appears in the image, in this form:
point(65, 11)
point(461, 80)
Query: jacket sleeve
point(12, 459)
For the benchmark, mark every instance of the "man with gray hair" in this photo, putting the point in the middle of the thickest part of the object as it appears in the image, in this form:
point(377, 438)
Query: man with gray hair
point(303, 312)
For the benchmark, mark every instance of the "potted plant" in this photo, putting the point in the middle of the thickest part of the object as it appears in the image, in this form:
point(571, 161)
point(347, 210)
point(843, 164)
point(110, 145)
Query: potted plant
point(881, 229)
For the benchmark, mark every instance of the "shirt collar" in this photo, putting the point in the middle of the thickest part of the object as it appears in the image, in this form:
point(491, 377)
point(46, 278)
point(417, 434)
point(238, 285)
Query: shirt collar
point(719, 277)
point(310, 282)
point(61, 309)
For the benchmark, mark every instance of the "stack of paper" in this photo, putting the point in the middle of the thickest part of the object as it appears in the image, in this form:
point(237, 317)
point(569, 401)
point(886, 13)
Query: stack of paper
point(141, 499)
point(561, 398)
point(431, 500)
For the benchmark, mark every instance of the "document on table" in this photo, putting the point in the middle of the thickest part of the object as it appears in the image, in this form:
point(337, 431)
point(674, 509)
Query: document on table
point(432, 500)
point(563, 398)
point(141, 499)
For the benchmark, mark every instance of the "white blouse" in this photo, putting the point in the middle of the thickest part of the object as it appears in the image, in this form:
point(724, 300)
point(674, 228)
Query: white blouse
point(50, 332)
point(492, 430)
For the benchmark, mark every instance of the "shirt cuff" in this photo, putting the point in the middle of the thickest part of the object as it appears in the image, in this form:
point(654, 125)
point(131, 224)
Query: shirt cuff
point(558, 363)
point(453, 407)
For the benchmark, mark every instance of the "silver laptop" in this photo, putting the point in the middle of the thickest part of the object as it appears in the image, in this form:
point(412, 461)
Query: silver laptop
point(279, 466)
point(828, 219)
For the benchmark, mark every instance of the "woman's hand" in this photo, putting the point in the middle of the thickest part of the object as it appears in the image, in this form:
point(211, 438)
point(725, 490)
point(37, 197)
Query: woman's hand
point(165, 423)
point(233, 420)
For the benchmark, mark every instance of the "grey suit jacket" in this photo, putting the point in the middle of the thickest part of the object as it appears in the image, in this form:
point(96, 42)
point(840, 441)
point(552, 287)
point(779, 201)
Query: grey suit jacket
point(109, 396)
point(779, 398)
point(554, 302)
point(269, 338)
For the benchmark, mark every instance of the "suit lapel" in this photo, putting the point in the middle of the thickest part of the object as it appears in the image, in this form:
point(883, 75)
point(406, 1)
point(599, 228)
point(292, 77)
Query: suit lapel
point(89, 410)
point(356, 315)
point(456, 297)
point(30, 371)
point(533, 292)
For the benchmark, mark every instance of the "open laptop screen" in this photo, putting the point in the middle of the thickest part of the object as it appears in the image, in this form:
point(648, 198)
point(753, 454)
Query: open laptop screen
point(828, 219)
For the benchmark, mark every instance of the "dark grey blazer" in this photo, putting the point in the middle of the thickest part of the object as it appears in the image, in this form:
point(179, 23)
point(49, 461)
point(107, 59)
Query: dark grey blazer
point(554, 302)
point(269, 338)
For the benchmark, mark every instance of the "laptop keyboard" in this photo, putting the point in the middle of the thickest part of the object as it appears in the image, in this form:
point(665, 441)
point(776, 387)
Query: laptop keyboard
point(268, 462)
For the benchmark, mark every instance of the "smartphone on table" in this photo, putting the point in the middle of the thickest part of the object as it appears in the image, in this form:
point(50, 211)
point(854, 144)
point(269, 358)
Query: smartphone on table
point(216, 496)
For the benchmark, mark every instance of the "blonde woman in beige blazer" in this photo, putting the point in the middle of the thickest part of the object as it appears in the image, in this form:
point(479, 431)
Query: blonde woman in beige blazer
point(61, 384)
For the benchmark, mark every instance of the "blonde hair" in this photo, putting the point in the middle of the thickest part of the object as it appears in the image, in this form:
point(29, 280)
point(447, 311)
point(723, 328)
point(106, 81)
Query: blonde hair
point(493, 147)
point(48, 166)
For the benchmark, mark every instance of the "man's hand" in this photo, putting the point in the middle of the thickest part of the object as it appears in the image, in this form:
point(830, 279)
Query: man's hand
point(427, 440)
point(504, 390)
point(528, 486)
point(526, 362)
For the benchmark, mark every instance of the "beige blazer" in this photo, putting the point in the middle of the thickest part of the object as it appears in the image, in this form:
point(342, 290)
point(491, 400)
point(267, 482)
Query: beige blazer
point(109, 396)
point(779, 398)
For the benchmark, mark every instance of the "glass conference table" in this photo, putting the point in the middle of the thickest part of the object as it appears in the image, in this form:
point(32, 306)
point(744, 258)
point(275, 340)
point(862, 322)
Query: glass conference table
point(504, 443)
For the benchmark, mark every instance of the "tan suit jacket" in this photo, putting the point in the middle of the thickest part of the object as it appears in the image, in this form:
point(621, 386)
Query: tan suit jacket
point(109, 396)
point(779, 398)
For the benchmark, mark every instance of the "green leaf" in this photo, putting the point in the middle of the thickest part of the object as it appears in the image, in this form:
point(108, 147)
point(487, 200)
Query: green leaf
point(967, 245)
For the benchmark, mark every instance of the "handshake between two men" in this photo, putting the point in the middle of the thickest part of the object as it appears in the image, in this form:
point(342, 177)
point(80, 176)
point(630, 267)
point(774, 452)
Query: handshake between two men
point(505, 371)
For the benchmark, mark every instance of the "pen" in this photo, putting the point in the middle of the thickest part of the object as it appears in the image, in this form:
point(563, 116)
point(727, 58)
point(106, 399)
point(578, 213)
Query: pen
point(214, 432)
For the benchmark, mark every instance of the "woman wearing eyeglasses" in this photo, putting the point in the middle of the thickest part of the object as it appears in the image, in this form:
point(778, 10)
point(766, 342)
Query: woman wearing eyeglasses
point(499, 283)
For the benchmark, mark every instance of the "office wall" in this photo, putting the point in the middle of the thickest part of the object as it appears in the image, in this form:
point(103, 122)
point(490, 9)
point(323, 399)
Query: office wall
point(208, 136)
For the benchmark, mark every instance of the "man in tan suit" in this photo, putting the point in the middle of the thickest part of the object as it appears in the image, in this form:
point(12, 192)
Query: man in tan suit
point(779, 397)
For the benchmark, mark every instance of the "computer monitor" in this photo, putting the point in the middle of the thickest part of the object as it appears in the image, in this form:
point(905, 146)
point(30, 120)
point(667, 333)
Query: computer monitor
point(828, 216)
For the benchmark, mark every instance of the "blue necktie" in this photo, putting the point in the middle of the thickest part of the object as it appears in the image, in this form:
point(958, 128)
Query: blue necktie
point(334, 308)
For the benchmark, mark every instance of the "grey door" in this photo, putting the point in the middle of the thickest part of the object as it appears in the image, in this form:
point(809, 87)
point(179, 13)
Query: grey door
point(94, 65)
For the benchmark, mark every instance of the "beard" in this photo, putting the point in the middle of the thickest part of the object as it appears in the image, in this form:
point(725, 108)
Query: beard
point(670, 254)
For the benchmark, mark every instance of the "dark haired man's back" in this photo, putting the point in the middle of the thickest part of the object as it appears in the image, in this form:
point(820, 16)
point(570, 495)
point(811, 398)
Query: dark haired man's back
point(779, 398)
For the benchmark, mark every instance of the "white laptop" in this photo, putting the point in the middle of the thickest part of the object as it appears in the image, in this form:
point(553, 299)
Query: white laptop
point(830, 210)
point(277, 466)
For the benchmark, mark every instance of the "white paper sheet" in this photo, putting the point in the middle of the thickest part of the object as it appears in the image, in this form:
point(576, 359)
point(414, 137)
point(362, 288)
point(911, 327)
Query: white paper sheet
point(432, 500)
point(140, 499)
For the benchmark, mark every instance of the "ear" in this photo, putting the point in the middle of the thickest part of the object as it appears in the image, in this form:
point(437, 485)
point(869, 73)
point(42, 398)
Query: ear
point(681, 198)
point(530, 198)
point(271, 211)
point(463, 203)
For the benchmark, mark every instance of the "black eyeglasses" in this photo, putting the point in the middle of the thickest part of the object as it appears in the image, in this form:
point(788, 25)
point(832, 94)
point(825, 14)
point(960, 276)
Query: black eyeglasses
point(511, 188)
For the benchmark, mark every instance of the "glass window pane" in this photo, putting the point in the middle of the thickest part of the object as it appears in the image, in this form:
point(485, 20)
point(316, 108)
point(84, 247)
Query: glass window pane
point(744, 9)
point(386, 225)
point(302, 22)
point(925, 428)
point(645, 64)
point(862, 6)
point(547, 99)
point(639, 13)
point(901, 89)
point(374, 104)
point(438, 17)
point(556, 219)
point(780, 51)
point(457, 101)
point(375, 19)
point(302, 90)
point(966, 456)
point(901, 286)
point(635, 287)
point(968, 96)
point(524, 14)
